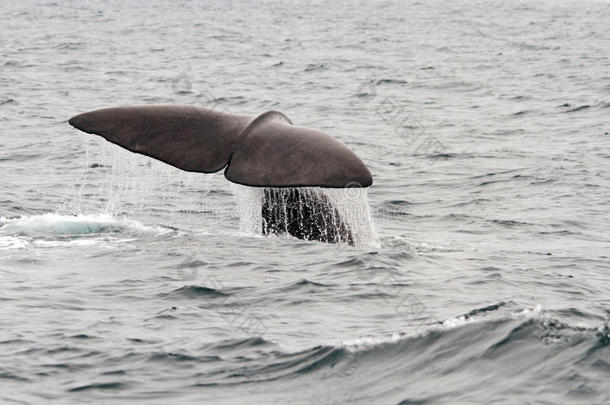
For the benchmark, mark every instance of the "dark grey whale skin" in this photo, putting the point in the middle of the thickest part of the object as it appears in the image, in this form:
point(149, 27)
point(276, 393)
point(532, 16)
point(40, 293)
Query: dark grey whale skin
point(266, 151)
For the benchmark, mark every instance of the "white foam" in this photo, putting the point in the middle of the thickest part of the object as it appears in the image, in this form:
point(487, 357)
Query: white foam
point(56, 224)
point(52, 244)
point(12, 242)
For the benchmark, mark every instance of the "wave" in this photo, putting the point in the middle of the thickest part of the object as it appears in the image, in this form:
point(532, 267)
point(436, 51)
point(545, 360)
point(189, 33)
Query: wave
point(488, 355)
point(493, 357)
point(193, 291)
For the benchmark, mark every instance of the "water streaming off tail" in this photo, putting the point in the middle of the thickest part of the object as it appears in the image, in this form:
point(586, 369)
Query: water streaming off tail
point(249, 205)
point(312, 213)
point(114, 181)
point(353, 206)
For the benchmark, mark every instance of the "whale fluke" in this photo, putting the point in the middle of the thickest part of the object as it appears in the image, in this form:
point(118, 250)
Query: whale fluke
point(189, 138)
point(267, 151)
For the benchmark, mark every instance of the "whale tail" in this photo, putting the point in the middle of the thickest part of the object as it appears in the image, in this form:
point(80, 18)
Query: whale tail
point(267, 151)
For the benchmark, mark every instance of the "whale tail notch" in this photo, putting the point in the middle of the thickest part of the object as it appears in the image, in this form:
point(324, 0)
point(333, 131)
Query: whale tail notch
point(267, 151)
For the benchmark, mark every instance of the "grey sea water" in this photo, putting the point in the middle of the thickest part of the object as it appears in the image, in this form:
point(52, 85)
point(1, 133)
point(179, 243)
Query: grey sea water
point(481, 273)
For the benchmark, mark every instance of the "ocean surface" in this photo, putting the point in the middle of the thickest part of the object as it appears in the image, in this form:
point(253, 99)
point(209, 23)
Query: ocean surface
point(482, 269)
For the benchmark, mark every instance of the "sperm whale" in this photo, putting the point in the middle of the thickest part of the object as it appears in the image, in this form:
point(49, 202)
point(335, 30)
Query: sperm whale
point(265, 151)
